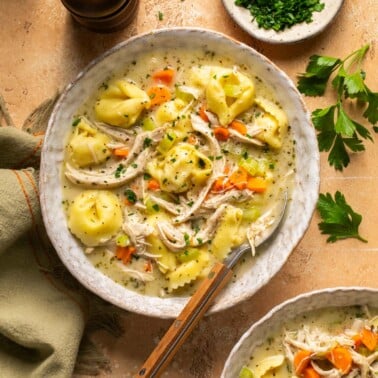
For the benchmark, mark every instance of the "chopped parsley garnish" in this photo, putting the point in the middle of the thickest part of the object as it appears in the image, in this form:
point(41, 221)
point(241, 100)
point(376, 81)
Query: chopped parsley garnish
point(146, 176)
point(118, 171)
point(279, 15)
point(338, 218)
point(156, 207)
point(130, 196)
point(134, 165)
point(76, 121)
point(186, 238)
point(147, 142)
point(190, 204)
point(160, 16)
point(338, 133)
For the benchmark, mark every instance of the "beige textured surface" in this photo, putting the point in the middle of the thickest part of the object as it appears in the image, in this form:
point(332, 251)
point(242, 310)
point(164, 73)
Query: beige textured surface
point(42, 50)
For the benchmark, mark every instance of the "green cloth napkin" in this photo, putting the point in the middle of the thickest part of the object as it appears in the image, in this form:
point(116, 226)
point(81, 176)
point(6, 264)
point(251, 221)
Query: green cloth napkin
point(43, 310)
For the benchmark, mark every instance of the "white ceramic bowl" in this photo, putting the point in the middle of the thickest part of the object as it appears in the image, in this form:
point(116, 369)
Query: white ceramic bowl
point(297, 33)
point(335, 297)
point(272, 256)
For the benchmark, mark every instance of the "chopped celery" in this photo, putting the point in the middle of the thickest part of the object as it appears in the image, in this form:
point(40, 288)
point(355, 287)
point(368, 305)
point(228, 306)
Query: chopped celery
point(245, 372)
point(254, 167)
point(188, 255)
point(167, 142)
point(251, 214)
point(148, 124)
point(122, 240)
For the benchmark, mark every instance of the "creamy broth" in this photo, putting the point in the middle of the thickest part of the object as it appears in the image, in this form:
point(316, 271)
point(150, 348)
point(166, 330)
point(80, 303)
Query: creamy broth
point(158, 201)
point(318, 332)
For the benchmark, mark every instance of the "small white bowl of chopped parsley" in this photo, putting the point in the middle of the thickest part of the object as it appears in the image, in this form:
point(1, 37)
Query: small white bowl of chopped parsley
point(283, 21)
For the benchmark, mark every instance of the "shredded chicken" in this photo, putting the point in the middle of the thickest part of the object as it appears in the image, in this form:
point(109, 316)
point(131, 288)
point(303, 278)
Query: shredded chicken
point(218, 166)
point(176, 238)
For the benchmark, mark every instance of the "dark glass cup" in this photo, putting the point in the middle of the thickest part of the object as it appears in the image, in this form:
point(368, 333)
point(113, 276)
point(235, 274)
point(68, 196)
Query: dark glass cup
point(102, 15)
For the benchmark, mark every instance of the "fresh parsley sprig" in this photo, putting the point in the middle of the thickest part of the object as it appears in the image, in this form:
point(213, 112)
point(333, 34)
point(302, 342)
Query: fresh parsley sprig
point(338, 218)
point(339, 134)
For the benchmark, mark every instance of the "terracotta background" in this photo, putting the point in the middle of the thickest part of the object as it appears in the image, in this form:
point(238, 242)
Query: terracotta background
point(42, 49)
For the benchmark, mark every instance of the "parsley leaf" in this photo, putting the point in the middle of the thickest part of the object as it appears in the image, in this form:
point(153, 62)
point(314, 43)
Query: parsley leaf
point(314, 81)
point(339, 134)
point(339, 221)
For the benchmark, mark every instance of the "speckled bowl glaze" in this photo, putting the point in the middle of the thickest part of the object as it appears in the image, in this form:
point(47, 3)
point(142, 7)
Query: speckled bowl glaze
point(335, 297)
point(297, 33)
point(271, 256)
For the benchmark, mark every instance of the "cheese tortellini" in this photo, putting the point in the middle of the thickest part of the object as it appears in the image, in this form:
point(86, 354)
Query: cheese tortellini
point(88, 146)
point(229, 234)
point(182, 167)
point(228, 92)
point(121, 104)
point(273, 122)
point(169, 111)
point(95, 216)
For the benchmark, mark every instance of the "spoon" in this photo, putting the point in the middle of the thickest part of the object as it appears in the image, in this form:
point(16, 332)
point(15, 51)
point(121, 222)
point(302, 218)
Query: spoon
point(198, 304)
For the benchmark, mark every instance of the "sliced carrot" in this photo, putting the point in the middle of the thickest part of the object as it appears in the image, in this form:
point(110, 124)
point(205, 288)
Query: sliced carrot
point(239, 179)
point(202, 113)
point(153, 184)
point(165, 76)
point(301, 360)
point(240, 127)
point(257, 184)
point(341, 358)
point(121, 152)
point(221, 133)
point(125, 253)
point(159, 94)
point(310, 372)
point(369, 339)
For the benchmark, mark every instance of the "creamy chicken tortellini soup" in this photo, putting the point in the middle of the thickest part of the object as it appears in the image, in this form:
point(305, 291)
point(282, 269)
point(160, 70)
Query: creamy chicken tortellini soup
point(172, 163)
point(328, 343)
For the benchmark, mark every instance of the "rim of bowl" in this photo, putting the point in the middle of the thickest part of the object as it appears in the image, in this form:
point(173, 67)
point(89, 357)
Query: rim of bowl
point(156, 307)
point(281, 307)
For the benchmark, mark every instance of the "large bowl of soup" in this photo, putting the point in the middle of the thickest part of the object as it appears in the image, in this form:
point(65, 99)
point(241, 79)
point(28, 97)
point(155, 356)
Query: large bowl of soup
point(163, 155)
point(325, 333)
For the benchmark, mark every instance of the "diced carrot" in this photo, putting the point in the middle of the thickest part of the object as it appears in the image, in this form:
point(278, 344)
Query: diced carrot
point(240, 127)
point(153, 184)
point(202, 113)
point(148, 266)
point(121, 152)
point(239, 179)
point(257, 184)
point(159, 94)
point(341, 358)
point(164, 76)
point(357, 340)
point(301, 360)
point(369, 339)
point(192, 139)
point(221, 133)
point(125, 253)
point(221, 184)
point(310, 372)
point(226, 169)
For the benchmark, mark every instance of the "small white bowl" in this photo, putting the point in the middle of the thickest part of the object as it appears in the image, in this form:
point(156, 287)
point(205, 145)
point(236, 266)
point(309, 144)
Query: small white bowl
point(271, 257)
point(257, 334)
point(298, 32)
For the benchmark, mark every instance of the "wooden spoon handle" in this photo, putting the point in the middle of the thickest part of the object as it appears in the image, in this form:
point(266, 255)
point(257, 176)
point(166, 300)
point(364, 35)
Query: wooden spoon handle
point(185, 322)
